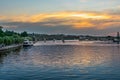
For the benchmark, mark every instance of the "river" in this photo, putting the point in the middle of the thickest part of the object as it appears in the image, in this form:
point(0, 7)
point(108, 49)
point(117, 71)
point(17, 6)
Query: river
point(72, 60)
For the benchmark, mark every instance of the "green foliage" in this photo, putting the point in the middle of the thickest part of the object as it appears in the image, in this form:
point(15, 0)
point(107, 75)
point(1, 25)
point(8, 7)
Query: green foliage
point(28, 38)
point(1, 33)
point(7, 40)
point(9, 33)
point(24, 34)
point(11, 37)
point(1, 40)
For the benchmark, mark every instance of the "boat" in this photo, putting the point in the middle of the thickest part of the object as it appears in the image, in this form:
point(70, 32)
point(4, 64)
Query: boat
point(27, 43)
point(116, 41)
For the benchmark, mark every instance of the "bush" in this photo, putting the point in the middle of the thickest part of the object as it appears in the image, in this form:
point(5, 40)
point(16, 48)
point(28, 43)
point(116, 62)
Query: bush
point(1, 40)
point(11, 37)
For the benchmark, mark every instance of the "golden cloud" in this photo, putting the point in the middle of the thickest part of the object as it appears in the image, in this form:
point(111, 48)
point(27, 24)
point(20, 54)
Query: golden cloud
point(2, 17)
point(75, 19)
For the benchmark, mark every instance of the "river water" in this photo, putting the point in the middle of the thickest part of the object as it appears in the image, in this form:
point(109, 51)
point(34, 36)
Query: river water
point(72, 60)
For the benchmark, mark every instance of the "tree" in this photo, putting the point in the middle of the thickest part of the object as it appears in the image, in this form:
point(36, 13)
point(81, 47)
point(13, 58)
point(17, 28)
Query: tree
point(1, 40)
point(11, 37)
point(1, 32)
point(24, 34)
point(1, 27)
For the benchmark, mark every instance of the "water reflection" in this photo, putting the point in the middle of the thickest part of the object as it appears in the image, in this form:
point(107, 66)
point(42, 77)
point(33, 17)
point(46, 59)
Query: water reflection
point(7, 53)
point(82, 56)
point(89, 61)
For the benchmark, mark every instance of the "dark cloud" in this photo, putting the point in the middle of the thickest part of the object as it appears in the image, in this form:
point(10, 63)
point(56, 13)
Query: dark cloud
point(58, 29)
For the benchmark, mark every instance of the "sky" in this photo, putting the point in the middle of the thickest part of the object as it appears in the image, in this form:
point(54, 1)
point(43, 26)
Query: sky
point(92, 17)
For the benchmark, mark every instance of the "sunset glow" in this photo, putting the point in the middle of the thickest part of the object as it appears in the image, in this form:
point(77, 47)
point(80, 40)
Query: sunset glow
point(71, 15)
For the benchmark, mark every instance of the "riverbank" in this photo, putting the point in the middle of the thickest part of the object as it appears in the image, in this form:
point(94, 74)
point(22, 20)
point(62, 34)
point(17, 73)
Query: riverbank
point(11, 47)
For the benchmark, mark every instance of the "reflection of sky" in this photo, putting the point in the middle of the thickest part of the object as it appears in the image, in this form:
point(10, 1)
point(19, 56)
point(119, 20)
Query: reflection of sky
point(71, 55)
point(62, 61)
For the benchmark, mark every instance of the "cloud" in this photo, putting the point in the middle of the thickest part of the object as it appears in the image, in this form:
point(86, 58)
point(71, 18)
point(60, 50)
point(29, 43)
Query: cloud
point(71, 19)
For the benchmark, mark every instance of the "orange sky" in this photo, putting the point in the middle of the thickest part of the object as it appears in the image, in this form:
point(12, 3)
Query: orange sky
point(61, 16)
point(76, 19)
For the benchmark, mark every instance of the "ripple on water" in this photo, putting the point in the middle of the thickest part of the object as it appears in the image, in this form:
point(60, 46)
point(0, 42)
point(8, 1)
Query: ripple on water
point(69, 61)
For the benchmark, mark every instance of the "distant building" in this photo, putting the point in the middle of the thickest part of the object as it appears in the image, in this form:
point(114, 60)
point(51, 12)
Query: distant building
point(117, 38)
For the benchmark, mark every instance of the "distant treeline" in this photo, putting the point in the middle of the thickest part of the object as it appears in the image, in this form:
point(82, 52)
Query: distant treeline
point(40, 37)
point(11, 37)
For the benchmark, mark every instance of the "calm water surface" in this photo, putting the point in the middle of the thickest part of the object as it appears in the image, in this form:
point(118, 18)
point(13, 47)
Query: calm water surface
point(72, 60)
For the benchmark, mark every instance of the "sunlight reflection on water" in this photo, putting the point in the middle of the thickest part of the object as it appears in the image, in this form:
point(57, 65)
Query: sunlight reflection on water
point(72, 60)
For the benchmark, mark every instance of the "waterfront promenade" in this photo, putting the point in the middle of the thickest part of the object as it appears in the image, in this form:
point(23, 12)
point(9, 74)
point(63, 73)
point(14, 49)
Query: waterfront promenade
point(10, 47)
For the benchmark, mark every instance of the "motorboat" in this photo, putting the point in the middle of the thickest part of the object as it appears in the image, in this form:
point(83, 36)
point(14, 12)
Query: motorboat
point(27, 43)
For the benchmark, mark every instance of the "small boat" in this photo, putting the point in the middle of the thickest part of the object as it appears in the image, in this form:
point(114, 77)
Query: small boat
point(27, 43)
point(116, 41)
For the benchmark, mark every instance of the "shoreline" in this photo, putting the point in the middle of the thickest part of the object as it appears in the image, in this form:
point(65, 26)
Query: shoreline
point(11, 47)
